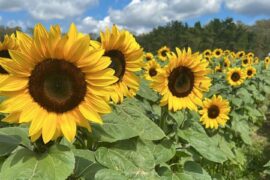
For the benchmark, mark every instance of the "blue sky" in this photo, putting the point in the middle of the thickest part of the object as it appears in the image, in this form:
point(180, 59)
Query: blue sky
point(138, 16)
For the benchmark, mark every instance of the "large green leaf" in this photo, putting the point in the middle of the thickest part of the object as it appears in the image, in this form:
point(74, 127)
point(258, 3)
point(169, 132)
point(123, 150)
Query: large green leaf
point(126, 121)
point(206, 146)
point(146, 92)
point(196, 171)
point(57, 164)
point(162, 151)
point(86, 165)
point(11, 137)
point(242, 128)
point(109, 174)
point(131, 158)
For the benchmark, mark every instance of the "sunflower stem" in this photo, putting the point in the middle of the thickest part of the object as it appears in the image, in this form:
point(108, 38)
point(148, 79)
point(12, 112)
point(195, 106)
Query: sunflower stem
point(163, 117)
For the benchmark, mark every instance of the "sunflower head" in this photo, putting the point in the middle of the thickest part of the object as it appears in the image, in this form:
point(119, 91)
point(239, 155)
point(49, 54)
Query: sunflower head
point(126, 58)
point(148, 56)
point(246, 61)
point(236, 76)
point(9, 43)
point(218, 53)
point(152, 68)
point(214, 112)
point(250, 71)
point(226, 63)
point(250, 55)
point(56, 83)
point(227, 52)
point(162, 53)
point(267, 60)
point(183, 80)
point(240, 54)
point(207, 53)
point(255, 60)
point(218, 68)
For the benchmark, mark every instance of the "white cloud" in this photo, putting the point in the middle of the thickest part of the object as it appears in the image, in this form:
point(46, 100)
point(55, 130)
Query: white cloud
point(89, 24)
point(249, 7)
point(14, 23)
point(50, 9)
point(141, 16)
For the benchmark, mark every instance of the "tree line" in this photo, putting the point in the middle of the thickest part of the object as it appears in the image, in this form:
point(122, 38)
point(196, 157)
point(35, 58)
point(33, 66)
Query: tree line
point(225, 34)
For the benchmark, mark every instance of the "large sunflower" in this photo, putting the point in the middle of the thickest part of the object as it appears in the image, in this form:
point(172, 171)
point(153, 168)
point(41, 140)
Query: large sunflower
point(215, 112)
point(9, 43)
point(236, 76)
point(217, 53)
point(152, 68)
point(162, 53)
point(250, 71)
point(127, 58)
point(183, 81)
point(55, 82)
point(148, 56)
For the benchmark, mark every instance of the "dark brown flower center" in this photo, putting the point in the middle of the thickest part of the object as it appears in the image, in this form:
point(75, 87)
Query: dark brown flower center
point(57, 85)
point(207, 53)
point(218, 53)
point(152, 72)
point(4, 54)
point(249, 72)
point(213, 111)
point(241, 54)
point(164, 53)
point(118, 63)
point(148, 58)
point(245, 61)
point(181, 81)
point(235, 76)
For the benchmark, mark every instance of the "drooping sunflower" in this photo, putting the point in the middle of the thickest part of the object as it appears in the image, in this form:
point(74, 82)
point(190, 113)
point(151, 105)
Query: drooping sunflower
point(240, 54)
point(250, 55)
point(152, 68)
point(227, 62)
point(148, 56)
point(246, 61)
point(232, 55)
point(215, 112)
point(183, 81)
point(207, 53)
point(55, 83)
point(217, 53)
point(126, 58)
point(250, 72)
point(236, 76)
point(227, 52)
point(162, 53)
point(9, 43)
point(267, 60)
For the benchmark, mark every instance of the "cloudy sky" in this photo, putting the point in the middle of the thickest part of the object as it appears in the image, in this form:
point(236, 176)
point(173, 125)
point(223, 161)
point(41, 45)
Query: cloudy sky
point(139, 16)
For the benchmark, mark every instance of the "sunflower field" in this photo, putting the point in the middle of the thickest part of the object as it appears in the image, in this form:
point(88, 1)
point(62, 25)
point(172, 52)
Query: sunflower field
point(79, 109)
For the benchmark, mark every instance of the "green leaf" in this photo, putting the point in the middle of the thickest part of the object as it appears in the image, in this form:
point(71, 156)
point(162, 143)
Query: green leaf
point(11, 137)
point(109, 174)
point(146, 92)
point(196, 171)
point(242, 128)
point(162, 151)
point(126, 121)
point(182, 176)
point(236, 101)
point(178, 117)
point(58, 163)
point(206, 146)
point(86, 165)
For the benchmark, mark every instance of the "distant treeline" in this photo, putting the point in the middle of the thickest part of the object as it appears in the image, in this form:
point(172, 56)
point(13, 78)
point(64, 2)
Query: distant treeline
point(225, 34)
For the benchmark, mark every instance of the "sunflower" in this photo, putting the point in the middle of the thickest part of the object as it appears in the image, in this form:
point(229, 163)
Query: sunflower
point(56, 83)
point(148, 56)
point(267, 60)
point(218, 68)
point(183, 81)
point(255, 60)
point(235, 76)
point(227, 52)
point(246, 61)
point(207, 58)
point(9, 43)
point(240, 54)
point(232, 55)
point(152, 68)
point(226, 63)
point(162, 53)
point(207, 53)
point(127, 58)
point(215, 112)
point(250, 71)
point(250, 55)
point(218, 53)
